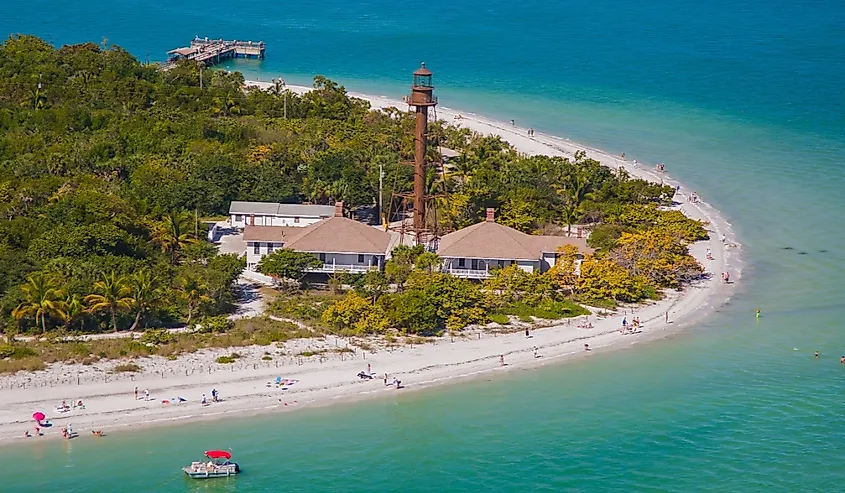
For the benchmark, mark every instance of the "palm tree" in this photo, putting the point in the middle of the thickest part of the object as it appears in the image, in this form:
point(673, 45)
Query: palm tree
point(193, 290)
point(72, 308)
point(146, 292)
point(42, 299)
point(571, 212)
point(173, 232)
point(110, 293)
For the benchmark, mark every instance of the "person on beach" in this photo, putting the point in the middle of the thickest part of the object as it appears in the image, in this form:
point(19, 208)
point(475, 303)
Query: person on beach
point(26, 434)
point(727, 277)
point(385, 379)
point(513, 122)
point(667, 317)
point(535, 353)
point(204, 402)
point(37, 431)
point(586, 347)
point(369, 369)
point(136, 393)
point(623, 156)
point(501, 360)
point(527, 334)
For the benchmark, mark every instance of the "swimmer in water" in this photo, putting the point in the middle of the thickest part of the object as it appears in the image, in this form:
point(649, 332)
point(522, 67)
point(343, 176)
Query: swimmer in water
point(817, 355)
point(758, 313)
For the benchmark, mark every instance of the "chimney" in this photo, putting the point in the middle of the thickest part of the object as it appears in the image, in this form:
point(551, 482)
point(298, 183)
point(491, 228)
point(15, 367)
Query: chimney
point(338, 209)
point(491, 215)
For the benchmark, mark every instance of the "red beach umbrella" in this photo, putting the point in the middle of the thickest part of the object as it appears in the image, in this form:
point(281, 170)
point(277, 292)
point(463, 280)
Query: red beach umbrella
point(218, 454)
point(39, 416)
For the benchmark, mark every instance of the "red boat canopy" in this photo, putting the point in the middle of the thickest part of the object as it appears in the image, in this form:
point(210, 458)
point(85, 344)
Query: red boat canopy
point(218, 454)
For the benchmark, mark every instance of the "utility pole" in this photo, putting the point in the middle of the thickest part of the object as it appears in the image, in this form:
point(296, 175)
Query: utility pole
point(37, 92)
point(380, 196)
point(286, 98)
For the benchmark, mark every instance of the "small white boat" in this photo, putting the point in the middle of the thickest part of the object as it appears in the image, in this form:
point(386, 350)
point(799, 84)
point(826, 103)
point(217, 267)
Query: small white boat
point(219, 465)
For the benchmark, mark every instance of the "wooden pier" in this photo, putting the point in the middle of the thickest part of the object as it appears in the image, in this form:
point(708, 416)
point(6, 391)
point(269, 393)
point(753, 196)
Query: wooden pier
point(213, 51)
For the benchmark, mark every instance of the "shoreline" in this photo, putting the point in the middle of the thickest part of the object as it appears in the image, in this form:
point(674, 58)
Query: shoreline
point(110, 405)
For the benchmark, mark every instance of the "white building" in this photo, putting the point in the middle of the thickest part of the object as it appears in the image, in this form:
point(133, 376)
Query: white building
point(472, 252)
point(243, 214)
point(343, 245)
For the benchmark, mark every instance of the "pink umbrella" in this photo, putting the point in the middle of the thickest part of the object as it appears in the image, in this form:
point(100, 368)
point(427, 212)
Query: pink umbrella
point(39, 416)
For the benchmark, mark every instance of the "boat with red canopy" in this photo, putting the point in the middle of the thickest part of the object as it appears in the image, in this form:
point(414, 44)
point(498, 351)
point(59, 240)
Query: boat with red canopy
point(219, 465)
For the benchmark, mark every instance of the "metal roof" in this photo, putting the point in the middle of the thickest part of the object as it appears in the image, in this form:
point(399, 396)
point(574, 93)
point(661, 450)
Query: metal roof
point(276, 209)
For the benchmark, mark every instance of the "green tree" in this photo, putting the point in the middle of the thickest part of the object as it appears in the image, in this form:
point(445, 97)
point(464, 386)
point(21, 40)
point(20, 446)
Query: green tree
point(288, 264)
point(111, 294)
point(42, 299)
point(193, 290)
point(72, 309)
point(174, 232)
point(145, 293)
point(356, 313)
point(401, 264)
point(428, 262)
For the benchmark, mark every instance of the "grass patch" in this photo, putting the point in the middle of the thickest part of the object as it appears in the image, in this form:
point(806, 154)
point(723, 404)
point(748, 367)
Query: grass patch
point(500, 318)
point(33, 363)
point(36, 355)
point(127, 368)
point(267, 358)
point(552, 310)
point(310, 353)
point(225, 360)
point(306, 308)
point(16, 351)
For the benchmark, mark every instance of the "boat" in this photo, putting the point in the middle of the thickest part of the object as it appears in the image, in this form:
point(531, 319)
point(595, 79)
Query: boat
point(219, 465)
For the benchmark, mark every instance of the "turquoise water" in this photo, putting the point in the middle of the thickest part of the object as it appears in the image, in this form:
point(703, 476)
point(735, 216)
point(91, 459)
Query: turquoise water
point(741, 100)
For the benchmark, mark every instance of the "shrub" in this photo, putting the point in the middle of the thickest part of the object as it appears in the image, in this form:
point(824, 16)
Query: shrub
point(216, 325)
point(500, 318)
point(156, 337)
point(127, 368)
point(266, 358)
point(15, 351)
point(225, 360)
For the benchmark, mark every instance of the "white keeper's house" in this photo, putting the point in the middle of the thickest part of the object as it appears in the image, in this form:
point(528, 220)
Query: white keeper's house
point(342, 244)
point(474, 251)
point(243, 214)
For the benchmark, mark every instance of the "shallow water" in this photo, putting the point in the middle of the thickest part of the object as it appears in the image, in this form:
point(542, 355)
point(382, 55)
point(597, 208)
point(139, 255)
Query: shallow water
point(741, 100)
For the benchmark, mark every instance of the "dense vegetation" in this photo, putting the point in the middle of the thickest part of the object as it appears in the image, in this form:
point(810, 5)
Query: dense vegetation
point(107, 163)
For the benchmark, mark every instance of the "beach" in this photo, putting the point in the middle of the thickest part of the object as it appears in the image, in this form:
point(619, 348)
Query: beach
point(110, 403)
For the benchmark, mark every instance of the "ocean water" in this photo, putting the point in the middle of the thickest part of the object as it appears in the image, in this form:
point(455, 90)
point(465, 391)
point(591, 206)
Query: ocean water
point(741, 100)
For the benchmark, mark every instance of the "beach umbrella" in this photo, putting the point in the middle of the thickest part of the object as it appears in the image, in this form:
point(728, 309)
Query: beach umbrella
point(39, 416)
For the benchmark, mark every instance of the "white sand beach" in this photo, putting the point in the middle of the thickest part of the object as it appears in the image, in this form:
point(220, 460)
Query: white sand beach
point(110, 402)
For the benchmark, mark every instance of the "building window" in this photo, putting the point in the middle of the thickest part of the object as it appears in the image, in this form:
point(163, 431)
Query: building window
point(239, 217)
point(296, 219)
point(501, 263)
point(360, 259)
point(462, 262)
point(474, 264)
point(256, 249)
point(269, 248)
point(323, 257)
